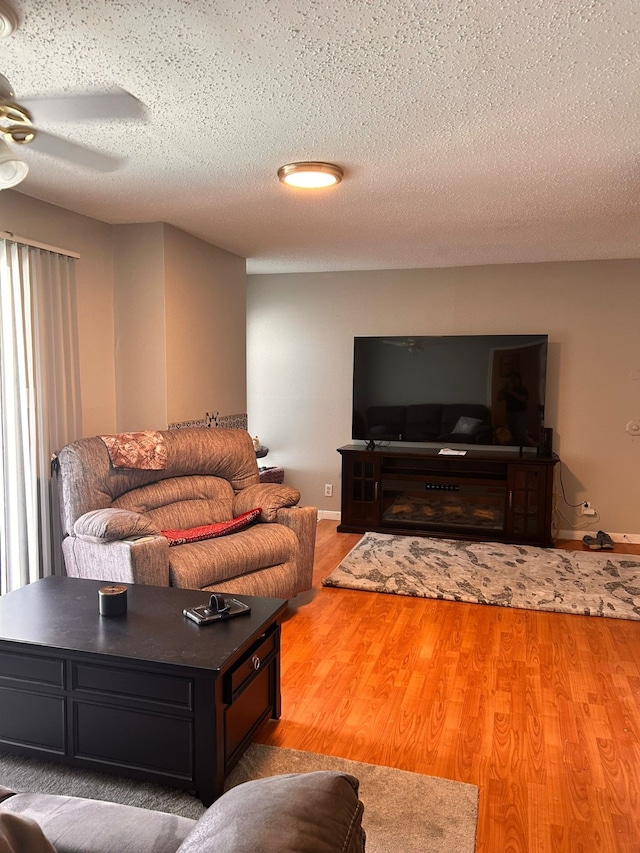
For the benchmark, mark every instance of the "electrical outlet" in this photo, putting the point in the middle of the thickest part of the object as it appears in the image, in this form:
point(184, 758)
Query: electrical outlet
point(328, 490)
point(587, 509)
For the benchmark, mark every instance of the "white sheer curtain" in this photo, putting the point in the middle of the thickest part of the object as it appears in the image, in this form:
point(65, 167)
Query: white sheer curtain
point(39, 405)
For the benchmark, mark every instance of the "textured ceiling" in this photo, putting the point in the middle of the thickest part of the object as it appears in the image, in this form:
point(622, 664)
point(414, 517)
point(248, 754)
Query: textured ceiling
point(470, 131)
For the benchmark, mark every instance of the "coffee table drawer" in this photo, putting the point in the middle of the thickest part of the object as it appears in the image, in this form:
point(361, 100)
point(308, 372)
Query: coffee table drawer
point(25, 668)
point(251, 694)
point(249, 667)
point(242, 718)
point(111, 681)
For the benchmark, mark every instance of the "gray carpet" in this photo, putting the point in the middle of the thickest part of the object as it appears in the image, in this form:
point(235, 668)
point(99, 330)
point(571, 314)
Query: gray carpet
point(585, 583)
point(404, 811)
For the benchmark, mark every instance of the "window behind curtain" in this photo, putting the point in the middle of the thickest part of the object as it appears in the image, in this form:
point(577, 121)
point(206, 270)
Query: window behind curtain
point(40, 408)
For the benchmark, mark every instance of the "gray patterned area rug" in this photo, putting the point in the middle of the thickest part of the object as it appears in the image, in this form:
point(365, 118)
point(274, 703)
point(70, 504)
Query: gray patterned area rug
point(494, 573)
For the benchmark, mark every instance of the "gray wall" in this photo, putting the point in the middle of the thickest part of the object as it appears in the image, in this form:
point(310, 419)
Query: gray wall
point(300, 331)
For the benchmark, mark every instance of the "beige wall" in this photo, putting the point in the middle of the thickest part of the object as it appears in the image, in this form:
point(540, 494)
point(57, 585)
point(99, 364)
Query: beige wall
point(300, 334)
point(180, 327)
point(205, 292)
point(92, 240)
point(161, 317)
point(140, 341)
point(300, 351)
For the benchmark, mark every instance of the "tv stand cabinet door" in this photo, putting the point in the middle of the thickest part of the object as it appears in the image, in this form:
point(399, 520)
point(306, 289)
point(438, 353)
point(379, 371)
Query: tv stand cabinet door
point(360, 491)
point(529, 504)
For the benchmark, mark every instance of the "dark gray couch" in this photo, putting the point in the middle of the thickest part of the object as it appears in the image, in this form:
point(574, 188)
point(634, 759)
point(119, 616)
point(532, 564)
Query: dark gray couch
point(448, 423)
point(303, 812)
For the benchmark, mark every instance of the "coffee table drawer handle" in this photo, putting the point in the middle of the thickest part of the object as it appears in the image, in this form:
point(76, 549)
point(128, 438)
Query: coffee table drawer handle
point(255, 660)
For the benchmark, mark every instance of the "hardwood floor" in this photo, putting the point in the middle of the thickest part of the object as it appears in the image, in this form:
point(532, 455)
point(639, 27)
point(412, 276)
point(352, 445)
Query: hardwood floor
point(540, 710)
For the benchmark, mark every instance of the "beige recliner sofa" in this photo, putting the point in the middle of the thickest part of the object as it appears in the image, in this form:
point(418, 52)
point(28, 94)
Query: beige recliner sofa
point(112, 516)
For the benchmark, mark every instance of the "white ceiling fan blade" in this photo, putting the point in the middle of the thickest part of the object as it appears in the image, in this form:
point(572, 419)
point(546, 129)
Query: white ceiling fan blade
point(116, 104)
point(55, 146)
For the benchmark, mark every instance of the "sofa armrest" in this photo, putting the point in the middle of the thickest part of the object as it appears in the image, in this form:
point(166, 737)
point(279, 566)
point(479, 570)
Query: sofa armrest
point(107, 525)
point(303, 520)
point(297, 813)
point(271, 497)
point(143, 560)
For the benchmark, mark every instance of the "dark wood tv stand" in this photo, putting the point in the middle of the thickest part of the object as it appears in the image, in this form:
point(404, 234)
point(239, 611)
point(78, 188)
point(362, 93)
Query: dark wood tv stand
point(484, 495)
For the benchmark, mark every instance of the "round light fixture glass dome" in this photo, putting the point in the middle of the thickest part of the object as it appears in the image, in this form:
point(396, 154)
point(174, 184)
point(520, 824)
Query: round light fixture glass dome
point(8, 20)
point(310, 175)
point(12, 168)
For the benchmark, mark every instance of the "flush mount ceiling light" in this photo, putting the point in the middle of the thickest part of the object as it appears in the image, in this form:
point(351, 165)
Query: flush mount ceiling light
point(310, 175)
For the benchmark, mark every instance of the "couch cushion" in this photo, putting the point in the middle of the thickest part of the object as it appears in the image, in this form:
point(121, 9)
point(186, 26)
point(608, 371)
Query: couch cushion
point(423, 422)
point(199, 564)
point(298, 813)
point(385, 421)
point(182, 502)
point(275, 582)
point(211, 531)
point(77, 825)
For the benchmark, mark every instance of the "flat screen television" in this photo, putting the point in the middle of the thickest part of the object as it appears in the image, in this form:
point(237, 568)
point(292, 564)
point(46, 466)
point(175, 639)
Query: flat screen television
point(450, 389)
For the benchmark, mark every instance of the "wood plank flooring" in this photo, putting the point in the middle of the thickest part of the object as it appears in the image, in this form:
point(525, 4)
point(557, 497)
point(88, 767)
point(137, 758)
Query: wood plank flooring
point(540, 710)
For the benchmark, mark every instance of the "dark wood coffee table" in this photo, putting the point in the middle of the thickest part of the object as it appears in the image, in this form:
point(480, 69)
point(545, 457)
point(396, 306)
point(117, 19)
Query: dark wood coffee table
point(150, 694)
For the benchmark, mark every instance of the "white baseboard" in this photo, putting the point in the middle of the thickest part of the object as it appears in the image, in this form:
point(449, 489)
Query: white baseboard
point(631, 538)
point(327, 513)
